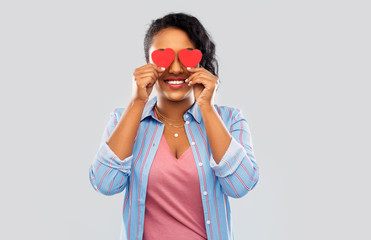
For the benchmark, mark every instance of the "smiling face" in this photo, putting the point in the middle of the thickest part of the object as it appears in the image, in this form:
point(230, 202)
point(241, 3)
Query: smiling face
point(177, 40)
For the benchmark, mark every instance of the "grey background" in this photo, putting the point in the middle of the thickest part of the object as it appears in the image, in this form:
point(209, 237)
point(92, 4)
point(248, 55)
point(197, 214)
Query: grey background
point(299, 70)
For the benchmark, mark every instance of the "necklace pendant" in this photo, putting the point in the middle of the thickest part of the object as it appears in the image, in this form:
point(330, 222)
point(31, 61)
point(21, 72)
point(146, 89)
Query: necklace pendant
point(176, 135)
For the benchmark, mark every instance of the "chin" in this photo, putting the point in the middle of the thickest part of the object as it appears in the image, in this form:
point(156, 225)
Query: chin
point(176, 97)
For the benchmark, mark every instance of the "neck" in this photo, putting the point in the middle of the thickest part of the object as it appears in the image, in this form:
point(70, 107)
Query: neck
point(174, 110)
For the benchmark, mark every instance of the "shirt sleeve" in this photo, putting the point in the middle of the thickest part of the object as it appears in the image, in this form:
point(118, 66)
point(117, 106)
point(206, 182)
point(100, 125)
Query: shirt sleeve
point(237, 172)
point(108, 173)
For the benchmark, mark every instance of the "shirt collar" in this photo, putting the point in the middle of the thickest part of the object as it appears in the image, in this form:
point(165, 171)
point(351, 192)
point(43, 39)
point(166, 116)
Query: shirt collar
point(194, 110)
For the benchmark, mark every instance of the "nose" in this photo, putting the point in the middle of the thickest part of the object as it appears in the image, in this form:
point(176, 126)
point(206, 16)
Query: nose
point(176, 66)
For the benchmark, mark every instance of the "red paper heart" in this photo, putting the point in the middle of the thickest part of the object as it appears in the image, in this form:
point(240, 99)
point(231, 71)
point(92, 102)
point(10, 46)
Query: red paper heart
point(163, 58)
point(190, 58)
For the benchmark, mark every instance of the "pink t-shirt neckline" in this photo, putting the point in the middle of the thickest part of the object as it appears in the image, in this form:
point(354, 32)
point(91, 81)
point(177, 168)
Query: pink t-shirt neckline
point(184, 154)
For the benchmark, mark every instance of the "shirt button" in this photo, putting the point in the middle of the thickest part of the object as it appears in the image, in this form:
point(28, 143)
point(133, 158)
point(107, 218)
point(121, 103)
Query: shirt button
point(187, 122)
point(200, 164)
point(186, 116)
point(208, 221)
point(205, 193)
point(193, 143)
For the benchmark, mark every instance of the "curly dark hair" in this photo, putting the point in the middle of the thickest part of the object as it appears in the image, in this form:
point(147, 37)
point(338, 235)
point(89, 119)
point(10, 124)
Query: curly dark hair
point(195, 31)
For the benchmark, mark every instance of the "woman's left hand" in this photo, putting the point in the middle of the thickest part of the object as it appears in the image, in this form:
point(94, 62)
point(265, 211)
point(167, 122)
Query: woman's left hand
point(204, 85)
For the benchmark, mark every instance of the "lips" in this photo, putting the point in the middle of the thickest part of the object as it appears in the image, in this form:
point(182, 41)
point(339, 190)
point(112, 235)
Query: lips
point(175, 86)
point(174, 78)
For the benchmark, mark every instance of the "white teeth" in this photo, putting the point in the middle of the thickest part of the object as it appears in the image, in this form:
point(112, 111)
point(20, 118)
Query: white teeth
point(175, 82)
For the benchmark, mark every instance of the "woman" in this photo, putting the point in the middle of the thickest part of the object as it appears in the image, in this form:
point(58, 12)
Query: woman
point(178, 155)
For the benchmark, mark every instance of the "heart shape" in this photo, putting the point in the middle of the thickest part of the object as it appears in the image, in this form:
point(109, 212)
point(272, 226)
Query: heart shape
point(163, 58)
point(190, 58)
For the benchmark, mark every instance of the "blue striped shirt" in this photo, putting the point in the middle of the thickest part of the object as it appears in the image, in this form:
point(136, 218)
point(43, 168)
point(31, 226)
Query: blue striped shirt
point(235, 175)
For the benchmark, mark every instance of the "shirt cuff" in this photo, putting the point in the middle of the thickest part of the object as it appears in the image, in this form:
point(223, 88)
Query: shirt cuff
point(230, 161)
point(107, 157)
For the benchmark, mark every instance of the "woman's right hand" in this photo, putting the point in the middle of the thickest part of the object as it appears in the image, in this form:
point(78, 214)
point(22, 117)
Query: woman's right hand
point(145, 78)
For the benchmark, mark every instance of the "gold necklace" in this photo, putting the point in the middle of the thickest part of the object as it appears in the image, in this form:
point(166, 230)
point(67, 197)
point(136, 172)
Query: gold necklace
point(174, 133)
point(177, 126)
point(164, 118)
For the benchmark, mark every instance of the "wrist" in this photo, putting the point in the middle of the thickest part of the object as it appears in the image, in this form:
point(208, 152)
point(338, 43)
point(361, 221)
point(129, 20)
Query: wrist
point(205, 106)
point(137, 101)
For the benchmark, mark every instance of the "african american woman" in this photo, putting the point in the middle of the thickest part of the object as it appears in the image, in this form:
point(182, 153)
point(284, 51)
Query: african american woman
point(179, 156)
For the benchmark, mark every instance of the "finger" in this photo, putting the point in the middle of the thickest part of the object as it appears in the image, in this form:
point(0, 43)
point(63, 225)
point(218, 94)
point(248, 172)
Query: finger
point(205, 81)
point(149, 70)
point(198, 81)
point(152, 75)
point(158, 68)
point(143, 69)
point(193, 76)
point(202, 74)
point(194, 69)
point(146, 82)
point(149, 66)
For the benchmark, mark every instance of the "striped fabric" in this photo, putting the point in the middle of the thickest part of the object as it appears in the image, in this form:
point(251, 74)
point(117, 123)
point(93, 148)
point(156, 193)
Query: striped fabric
point(235, 175)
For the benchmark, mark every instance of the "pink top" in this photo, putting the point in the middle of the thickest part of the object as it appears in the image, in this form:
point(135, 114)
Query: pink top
point(173, 202)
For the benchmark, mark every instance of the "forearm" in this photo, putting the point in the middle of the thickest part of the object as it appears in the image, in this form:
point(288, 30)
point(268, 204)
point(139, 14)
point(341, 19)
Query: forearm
point(217, 133)
point(121, 140)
